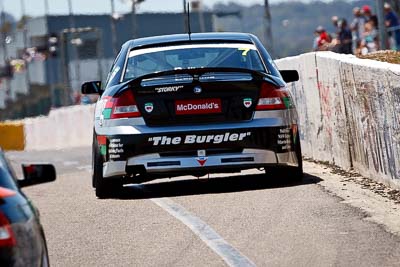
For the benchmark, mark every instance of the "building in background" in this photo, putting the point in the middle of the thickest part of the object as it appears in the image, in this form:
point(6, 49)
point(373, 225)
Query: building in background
point(50, 58)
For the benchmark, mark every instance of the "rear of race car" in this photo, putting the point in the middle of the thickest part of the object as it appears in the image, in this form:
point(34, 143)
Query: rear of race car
point(198, 120)
point(229, 125)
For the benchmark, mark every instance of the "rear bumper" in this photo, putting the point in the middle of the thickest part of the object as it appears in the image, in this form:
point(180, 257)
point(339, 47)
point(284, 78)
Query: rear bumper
point(269, 139)
point(154, 164)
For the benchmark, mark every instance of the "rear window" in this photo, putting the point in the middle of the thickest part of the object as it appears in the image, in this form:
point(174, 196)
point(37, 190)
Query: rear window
point(145, 61)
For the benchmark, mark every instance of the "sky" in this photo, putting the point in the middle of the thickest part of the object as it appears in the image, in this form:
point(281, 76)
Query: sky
point(37, 7)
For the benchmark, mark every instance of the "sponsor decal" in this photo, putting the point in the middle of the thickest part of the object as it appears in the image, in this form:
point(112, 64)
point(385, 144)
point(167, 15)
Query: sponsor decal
point(202, 160)
point(168, 89)
point(101, 139)
point(107, 113)
point(103, 150)
point(245, 50)
point(148, 107)
point(198, 139)
point(247, 102)
point(115, 148)
point(197, 90)
point(284, 139)
point(288, 102)
point(198, 106)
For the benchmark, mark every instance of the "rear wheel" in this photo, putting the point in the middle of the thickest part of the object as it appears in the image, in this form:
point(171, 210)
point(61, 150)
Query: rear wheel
point(104, 187)
point(290, 174)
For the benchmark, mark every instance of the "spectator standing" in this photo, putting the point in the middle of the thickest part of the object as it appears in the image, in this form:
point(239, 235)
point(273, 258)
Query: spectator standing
point(370, 38)
point(334, 45)
point(315, 41)
point(368, 16)
point(344, 38)
point(357, 28)
point(323, 40)
point(391, 20)
point(335, 20)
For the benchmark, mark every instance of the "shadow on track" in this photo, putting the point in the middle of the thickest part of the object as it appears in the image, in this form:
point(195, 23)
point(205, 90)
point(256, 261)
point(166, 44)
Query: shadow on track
point(219, 185)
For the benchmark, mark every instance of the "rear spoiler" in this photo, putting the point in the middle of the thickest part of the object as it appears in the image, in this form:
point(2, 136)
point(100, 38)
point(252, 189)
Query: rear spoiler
point(198, 72)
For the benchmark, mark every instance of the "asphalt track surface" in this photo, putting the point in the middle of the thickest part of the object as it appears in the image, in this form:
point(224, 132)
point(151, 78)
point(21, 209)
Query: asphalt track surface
point(234, 219)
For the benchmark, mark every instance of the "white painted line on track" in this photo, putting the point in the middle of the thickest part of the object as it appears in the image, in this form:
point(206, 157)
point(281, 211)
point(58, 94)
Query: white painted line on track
point(212, 239)
point(85, 168)
point(70, 163)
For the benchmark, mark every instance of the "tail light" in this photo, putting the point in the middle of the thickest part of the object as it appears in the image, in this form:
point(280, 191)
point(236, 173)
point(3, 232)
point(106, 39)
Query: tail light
point(272, 98)
point(121, 106)
point(7, 238)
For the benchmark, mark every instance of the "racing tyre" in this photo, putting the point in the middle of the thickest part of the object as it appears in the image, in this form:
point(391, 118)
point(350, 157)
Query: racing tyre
point(104, 188)
point(290, 174)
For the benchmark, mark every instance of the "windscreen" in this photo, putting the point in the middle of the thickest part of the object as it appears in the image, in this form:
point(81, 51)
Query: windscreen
point(150, 60)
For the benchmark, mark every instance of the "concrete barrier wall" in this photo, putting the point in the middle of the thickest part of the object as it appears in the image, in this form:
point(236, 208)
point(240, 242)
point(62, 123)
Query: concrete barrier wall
point(373, 95)
point(349, 112)
point(62, 128)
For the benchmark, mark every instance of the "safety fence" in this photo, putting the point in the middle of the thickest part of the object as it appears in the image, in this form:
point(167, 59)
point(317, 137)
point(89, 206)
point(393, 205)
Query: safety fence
point(349, 111)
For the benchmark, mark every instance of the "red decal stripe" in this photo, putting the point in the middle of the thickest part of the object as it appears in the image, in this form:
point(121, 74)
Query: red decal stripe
point(101, 140)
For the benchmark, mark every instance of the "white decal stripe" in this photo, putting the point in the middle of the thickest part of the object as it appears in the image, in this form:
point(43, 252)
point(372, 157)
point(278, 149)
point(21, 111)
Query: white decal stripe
point(166, 48)
point(211, 238)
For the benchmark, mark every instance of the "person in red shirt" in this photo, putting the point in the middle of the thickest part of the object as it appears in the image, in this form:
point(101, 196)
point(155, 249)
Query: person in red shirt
point(323, 39)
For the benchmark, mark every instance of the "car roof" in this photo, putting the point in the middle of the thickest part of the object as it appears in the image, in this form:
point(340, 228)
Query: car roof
point(194, 37)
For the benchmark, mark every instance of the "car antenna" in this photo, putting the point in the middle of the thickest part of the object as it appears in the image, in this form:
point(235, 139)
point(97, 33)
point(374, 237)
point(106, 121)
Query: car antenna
point(188, 21)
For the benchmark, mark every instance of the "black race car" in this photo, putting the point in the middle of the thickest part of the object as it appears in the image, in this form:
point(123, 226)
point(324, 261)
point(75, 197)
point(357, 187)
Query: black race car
point(193, 104)
point(22, 240)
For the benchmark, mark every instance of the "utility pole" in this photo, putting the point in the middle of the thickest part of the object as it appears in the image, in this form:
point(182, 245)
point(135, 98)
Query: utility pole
point(70, 15)
point(49, 62)
point(3, 33)
point(4, 46)
point(134, 31)
point(75, 49)
point(23, 18)
point(134, 20)
point(381, 25)
point(185, 17)
point(25, 41)
point(113, 29)
point(267, 27)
